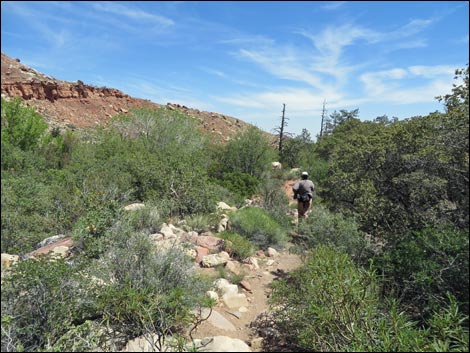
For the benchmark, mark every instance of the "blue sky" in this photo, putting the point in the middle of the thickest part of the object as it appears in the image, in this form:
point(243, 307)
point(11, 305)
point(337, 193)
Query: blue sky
point(246, 58)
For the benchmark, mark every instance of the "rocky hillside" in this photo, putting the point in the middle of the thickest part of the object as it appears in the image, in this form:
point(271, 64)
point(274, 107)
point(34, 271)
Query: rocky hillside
point(78, 105)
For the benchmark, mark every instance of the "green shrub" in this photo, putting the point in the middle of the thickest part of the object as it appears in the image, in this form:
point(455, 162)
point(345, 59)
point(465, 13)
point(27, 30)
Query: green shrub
point(202, 222)
point(243, 184)
point(21, 126)
point(326, 302)
point(43, 300)
point(325, 228)
point(237, 246)
point(240, 164)
point(427, 264)
point(449, 328)
point(145, 220)
point(152, 291)
point(166, 157)
point(274, 200)
point(258, 226)
point(330, 304)
point(28, 213)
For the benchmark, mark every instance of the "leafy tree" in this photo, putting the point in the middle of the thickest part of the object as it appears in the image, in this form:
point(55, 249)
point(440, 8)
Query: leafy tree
point(241, 163)
point(295, 149)
point(336, 119)
point(21, 126)
point(249, 152)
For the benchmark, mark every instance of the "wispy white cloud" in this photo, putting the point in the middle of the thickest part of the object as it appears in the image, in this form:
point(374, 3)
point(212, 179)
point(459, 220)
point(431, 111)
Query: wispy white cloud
point(164, 92)
point(405, 85)
point(295, 98)
point(214, 72)
point(282, 63)
point(257, 40)
point(333, 5)
point(411, 28)
point(432, 71)
point(132, 13)
point(329, 72)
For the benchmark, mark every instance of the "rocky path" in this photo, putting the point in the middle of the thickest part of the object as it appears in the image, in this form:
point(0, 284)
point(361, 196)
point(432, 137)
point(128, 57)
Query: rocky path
point(235, 323)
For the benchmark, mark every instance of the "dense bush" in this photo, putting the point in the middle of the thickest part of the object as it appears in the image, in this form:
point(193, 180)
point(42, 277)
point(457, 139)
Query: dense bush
point(63, 184)
point(41, 301)
point(151, 290)
point(22, 127)
point(330, 304)
point(258, 226)
point(29, 213)
point(274, 200)
point(241, 163)
point(324, 228)
point(202, 222)
point(242, 184)
point(426, 265)
point(238, 247)
point(133, 289)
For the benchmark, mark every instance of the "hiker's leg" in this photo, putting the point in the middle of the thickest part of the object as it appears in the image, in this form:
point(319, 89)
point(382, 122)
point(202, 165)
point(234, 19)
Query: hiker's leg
point(301, 209)
point(306, 208)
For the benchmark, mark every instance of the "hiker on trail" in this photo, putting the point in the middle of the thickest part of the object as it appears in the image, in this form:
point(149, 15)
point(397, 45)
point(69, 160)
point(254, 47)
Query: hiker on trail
point(303, 193)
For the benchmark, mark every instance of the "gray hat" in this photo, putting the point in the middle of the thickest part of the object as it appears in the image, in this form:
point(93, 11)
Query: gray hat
point(304, 174)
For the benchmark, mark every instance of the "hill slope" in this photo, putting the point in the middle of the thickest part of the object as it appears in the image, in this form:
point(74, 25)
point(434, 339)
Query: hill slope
point(78, 105)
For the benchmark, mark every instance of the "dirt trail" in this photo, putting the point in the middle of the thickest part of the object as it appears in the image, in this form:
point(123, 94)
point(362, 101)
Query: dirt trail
point(260, 281)
point(288, 184)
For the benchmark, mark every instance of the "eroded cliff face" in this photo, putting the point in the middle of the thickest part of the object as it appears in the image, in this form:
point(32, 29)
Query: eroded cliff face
point(77, 105)
point(62, 103)
point(53, 91)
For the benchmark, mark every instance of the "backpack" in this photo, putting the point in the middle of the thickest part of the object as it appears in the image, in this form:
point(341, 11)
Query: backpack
point(304, 197)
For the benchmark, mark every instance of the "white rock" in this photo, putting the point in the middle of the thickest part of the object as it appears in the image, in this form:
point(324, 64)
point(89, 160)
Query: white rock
point(223, 344)
point(133, 206)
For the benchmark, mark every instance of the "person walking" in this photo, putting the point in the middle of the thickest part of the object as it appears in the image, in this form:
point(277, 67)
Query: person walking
point(303, 193)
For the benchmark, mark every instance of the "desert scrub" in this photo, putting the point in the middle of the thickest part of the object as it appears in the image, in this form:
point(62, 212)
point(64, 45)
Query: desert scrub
point(330, 304)
point(258, 226)
point(237, 246)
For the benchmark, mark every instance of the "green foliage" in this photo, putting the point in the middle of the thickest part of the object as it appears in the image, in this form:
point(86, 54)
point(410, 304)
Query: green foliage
point(449, 328)
point(57, 148)
point(324, 228)
point(29, 212)
point(239, 183)
point(236, 246)
point(202, 222)
point(145, 220)
point(258, 226)
point(81, 338)
point(426, 265)
point(165, 155)
point(241, 163)
point(331, 305)
point(457, 102)
point(395, 177)
point(326, 304)
point(291, 152)
point(152, 291)
point(89, 232)
point(21, 126)
point(274, 200)
point(43, 299)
